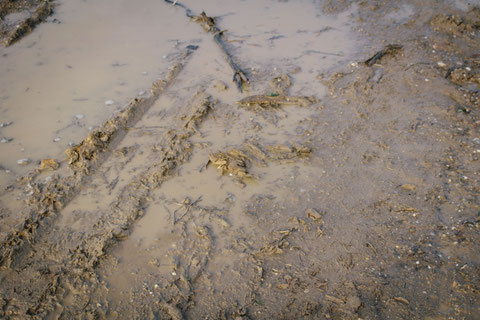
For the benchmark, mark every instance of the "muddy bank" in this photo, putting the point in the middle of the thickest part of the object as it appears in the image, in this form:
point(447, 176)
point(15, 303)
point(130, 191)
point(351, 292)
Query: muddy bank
point(20, 17)
point(278, 202)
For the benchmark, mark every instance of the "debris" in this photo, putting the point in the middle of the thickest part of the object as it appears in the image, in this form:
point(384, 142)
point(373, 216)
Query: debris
point(409, 187)
point(109, 102)
point(5, 140)
point(209, 24)
point(171, 310)
point(314, 214)
point(334, 299)
point(371, 247)
point(238, 161)
point(390, 49)
point(280, 85)
point(284, 152)
point(23, 162)
point(283, 286)
point(48, 164)
point(79, 116)
point(232, 163)
point(265, 101)
point(402, 300)
point(186, 204)
point(441, 64)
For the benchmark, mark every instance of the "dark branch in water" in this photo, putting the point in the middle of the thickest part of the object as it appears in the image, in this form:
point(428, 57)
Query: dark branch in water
point(391, 49)
point(210, 25)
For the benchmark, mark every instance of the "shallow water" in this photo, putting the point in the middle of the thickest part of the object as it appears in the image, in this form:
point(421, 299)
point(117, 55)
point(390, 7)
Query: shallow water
point(54, 84)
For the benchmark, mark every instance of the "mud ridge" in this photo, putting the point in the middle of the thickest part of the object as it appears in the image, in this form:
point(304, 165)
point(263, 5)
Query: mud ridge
point(47, 199)
point(78, 276)
point(26, 26)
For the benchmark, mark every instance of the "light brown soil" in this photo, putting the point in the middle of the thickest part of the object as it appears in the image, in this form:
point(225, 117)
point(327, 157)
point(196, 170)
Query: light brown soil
point(360, 204)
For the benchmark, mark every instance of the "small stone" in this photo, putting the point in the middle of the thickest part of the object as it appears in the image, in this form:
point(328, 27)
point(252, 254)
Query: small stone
point(6, 140)
point(109, 102)
point(56, 139)
point(441, 64)
point(5, 124)
point(23, 162)
point(141, 93)
point(79, 116)
point(144, 73)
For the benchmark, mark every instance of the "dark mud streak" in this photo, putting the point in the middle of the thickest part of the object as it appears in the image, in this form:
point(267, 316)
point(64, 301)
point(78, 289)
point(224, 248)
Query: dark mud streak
point(84, 158)
point(210, 25)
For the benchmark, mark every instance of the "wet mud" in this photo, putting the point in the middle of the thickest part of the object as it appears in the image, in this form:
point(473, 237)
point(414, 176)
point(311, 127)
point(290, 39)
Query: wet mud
point(341, 183)
point(17, 20)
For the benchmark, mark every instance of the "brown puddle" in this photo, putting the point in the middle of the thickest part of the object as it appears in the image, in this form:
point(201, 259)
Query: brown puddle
point(63, 79)
point(320, 188)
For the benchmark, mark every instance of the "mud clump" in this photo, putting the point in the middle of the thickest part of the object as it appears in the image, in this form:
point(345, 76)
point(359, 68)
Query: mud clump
point(280, 84)
point(455, 25)
point(16, 32)
point(231, 163)
point(238, 161)
point(48, 164)
point(264, 102)
point(464, 76)
point(285, 153)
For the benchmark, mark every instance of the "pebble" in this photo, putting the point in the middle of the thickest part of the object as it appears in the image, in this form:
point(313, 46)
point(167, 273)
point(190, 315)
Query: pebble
point(441, 64)
point(5, 124)
point(79, 116)
point(24, 161)
point(56, 139)
point(144, 73)
point(109, 102)
point(5, 140)
point(141, 93)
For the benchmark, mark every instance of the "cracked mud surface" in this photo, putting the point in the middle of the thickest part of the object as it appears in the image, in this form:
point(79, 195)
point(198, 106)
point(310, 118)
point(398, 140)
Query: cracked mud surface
point(342, 183)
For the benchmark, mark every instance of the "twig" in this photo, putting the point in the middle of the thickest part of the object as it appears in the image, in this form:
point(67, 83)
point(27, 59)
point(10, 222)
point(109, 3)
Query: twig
point(389, 49)
point(210, 25)
point(187, 205)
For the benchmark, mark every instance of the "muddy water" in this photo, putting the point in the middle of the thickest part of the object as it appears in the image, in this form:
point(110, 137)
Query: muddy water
point(360, 204)
point(156, 251)
point(74, 72)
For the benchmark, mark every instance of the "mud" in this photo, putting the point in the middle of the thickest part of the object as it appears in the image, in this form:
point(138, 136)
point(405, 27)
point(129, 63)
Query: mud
point(342, 184)
point(12, 30)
